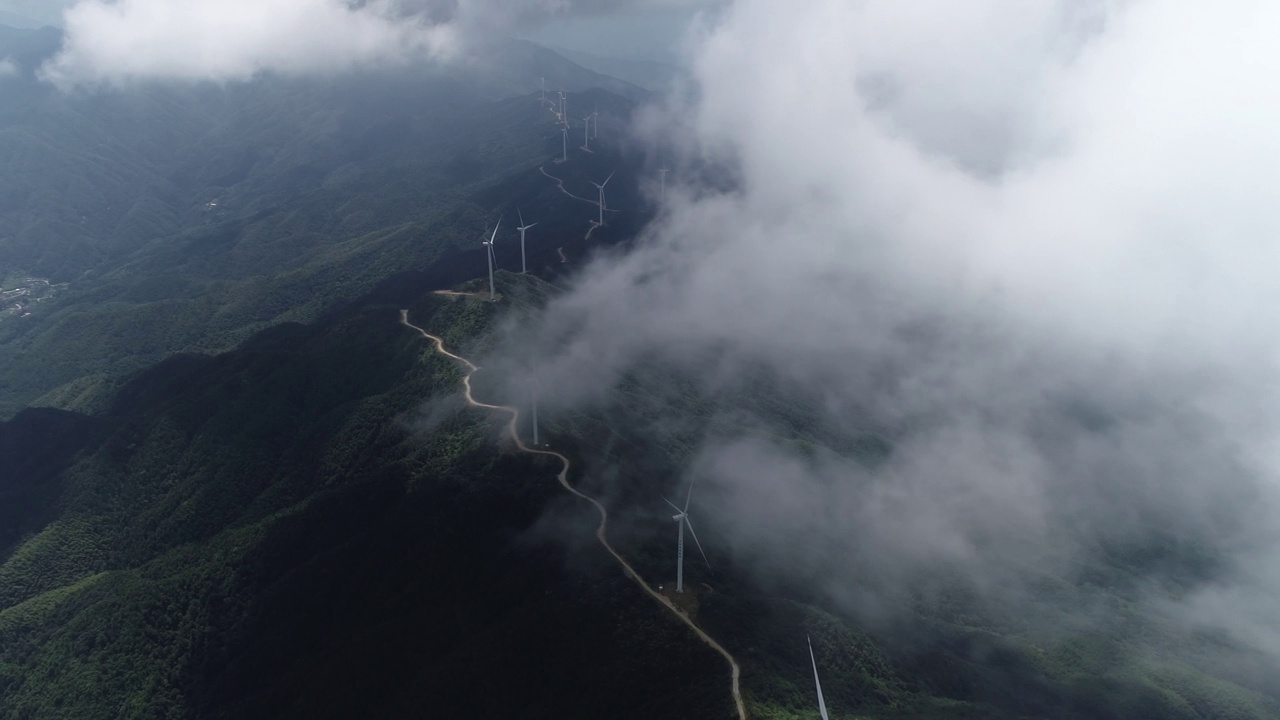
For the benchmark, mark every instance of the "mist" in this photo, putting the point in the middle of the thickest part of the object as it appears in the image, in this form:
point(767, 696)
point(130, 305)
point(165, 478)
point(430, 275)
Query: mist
point(130, 41)
point(1032, 245)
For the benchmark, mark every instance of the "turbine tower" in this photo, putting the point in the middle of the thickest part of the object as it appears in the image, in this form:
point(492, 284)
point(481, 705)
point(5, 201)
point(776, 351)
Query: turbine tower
point(586, 133)
point(564, 141)
point(682, 517)
point(595, 122)
point(562, 115)
point(822, 704)
point(662, 191)
point(600, 187)
point(489, 251)
point(523, 267)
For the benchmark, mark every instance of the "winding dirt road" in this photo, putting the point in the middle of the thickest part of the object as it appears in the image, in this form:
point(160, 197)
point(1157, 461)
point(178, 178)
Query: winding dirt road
point(602, 528)
point(560, 184)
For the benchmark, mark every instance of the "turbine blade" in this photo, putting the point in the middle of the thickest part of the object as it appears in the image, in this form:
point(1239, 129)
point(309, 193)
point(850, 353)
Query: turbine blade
point(673, 505)
point(495, 229)
point(822, 704)
point(526, 227)
point(688, 496)
point(606, 180)
point(695, 541)
point(521, 215)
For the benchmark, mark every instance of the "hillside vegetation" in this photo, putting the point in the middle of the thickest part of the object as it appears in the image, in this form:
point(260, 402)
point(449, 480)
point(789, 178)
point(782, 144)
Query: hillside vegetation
point(286, 531)
point(185, 219)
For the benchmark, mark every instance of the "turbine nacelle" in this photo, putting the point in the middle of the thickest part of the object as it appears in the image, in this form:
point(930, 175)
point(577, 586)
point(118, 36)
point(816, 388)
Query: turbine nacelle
point(489, 255)
point(682, 521)
point(523, 227)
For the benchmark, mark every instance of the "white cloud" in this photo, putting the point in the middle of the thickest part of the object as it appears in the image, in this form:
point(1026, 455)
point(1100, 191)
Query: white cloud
point(223, 40)
point(966, 219)
point(7, 68)
point(120, 41)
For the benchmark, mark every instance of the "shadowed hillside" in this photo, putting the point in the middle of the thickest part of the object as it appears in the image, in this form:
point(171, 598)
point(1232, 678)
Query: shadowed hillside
point(286, 531)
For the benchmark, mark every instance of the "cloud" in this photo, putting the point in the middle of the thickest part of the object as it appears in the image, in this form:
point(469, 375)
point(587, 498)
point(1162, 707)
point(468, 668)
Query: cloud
point(1032, 244)
point(124, 41)
point(113, 43)
point(7, 68)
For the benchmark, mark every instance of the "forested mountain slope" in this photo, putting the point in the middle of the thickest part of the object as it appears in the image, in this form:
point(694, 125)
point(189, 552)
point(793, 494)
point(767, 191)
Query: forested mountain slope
point(275, 533)
point(187, 218)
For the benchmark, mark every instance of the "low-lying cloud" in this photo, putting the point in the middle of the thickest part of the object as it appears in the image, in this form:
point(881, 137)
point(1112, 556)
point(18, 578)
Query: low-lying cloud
point(224, 40)
point(123, 41)
point(1033, 243)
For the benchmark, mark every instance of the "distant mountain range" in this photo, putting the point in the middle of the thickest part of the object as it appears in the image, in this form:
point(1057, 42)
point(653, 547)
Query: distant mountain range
point(651, 75)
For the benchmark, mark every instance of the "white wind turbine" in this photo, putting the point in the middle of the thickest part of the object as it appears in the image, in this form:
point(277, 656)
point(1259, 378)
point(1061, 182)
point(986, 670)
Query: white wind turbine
point(662, 191)
point(822, 704)
point(523, 267)
point(595, 122)
point(586, 133)
point(600, 187)
point(564, 141)
point(682, 517)
point(489, 251)
point(562, 115)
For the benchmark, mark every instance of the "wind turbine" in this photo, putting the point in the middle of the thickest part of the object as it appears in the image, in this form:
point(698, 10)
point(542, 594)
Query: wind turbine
point(522, 228)
point(822, 704)
point(562, 115)
point(600, 187)
point(586, 133)
point(564, 140)
point(662, 192)
point(489, 248)
point(595, 122)
point(682, 517)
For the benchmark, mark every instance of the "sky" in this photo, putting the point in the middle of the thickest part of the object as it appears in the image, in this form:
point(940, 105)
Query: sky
point(48, 12)
point(1034, 243)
